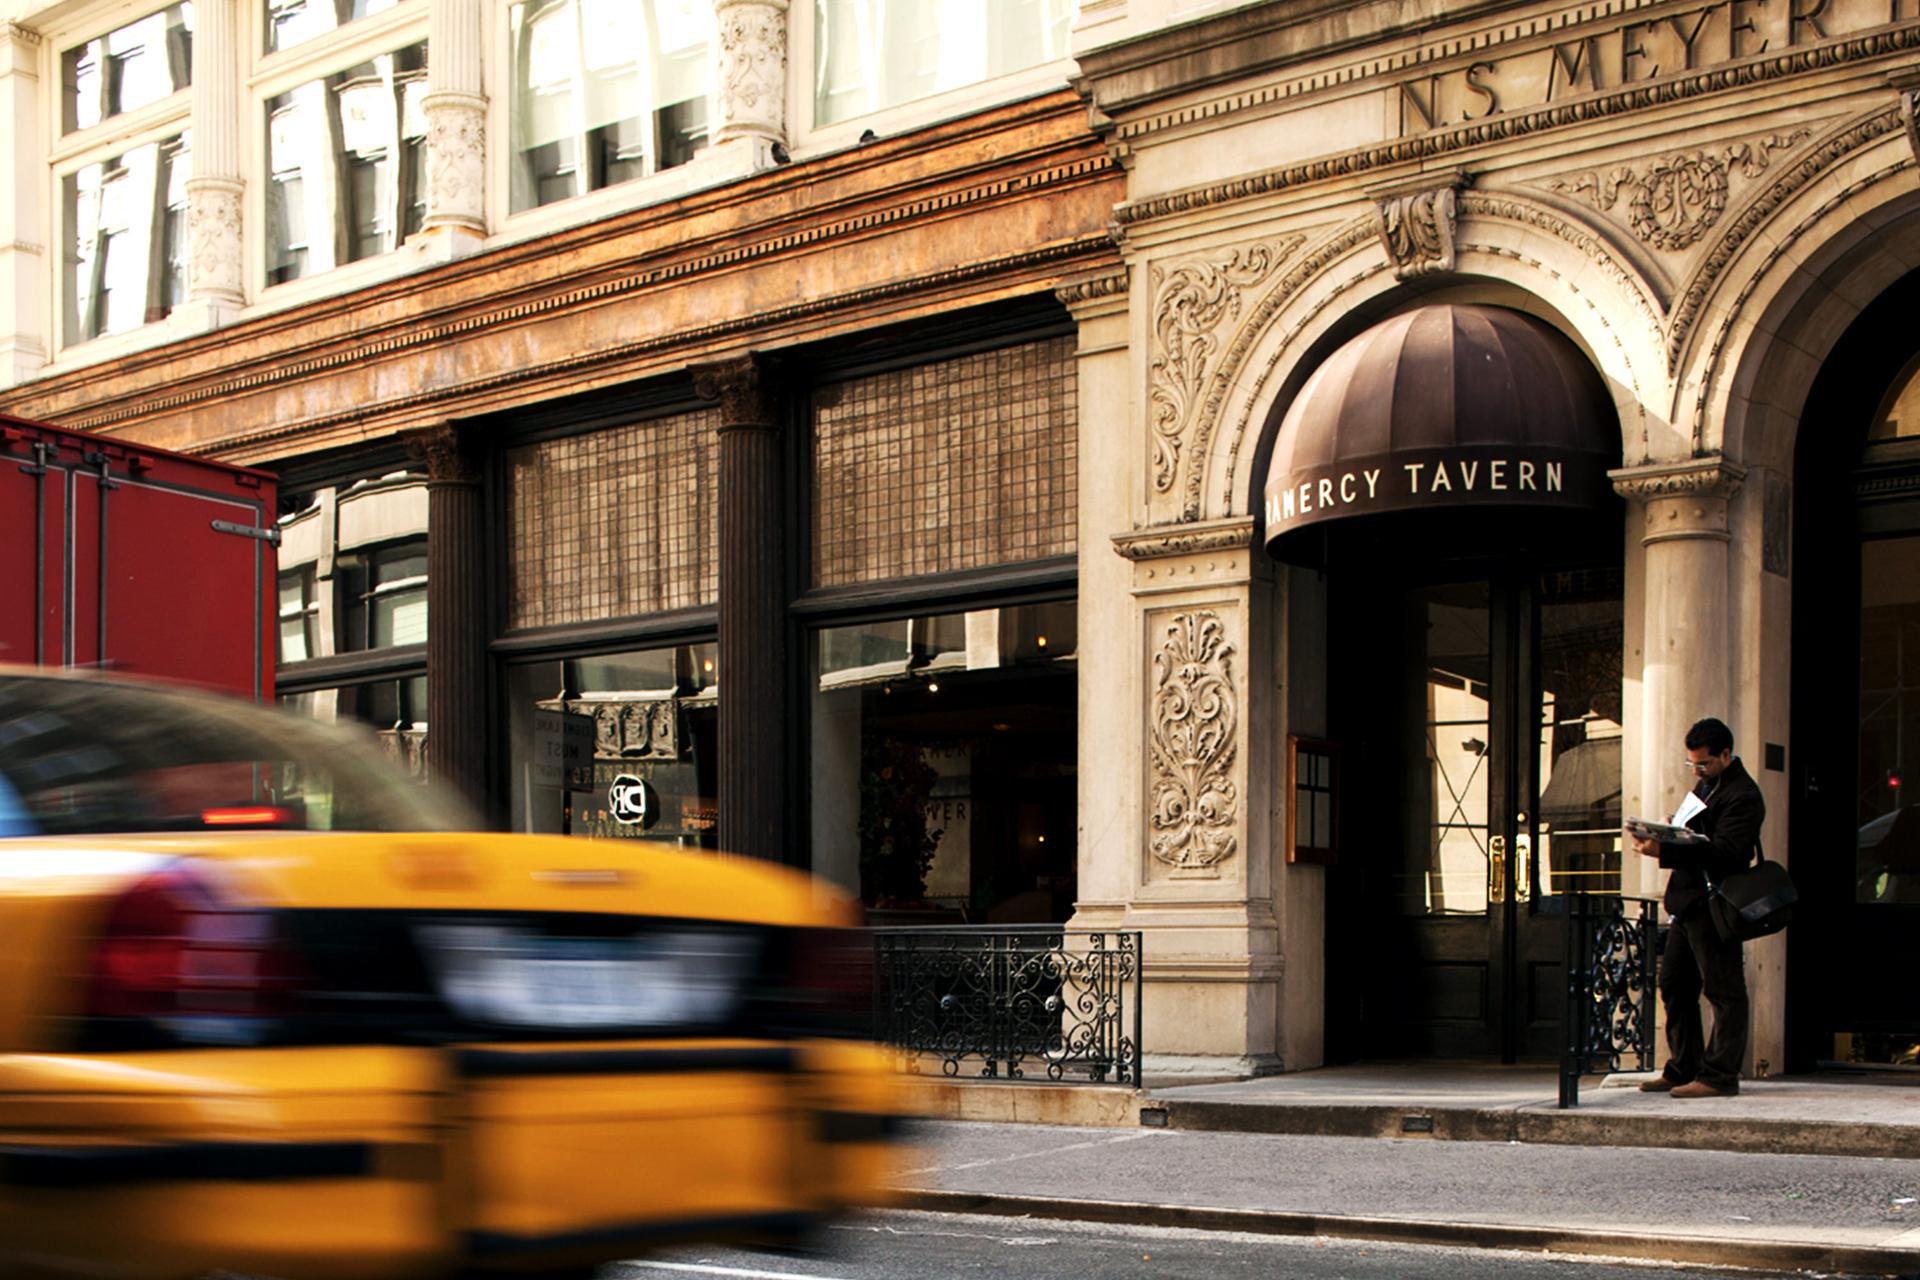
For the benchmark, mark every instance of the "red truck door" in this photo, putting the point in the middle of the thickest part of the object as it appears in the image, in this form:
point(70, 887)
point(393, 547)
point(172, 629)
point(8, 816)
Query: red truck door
point(145, 562)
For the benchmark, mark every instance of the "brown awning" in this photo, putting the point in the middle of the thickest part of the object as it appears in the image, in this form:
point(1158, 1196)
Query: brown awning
point(1446, 407)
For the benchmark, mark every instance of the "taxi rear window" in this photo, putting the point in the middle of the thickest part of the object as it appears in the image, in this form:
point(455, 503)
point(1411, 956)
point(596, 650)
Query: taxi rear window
point(80, 756)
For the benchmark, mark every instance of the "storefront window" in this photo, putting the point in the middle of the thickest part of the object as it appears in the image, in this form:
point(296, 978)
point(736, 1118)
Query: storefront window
point(383, 596)
point(345, 157)
point(1887, 852)
point(618, 745)
point(1581, 630)
point(872, 54)
point(299, 615)
point(604, 91)
point(125, 220)
point(395, 710)
point(943, 751)
point(128, 68)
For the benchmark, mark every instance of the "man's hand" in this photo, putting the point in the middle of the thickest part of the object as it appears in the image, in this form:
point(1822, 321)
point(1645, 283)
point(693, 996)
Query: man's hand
point(1645, 848)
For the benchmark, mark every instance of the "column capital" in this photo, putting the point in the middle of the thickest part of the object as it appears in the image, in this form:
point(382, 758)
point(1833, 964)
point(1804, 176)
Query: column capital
point(1686, 499)
point(16, 33)
point(1095, 293)
point(449, 452)
point(739, 385)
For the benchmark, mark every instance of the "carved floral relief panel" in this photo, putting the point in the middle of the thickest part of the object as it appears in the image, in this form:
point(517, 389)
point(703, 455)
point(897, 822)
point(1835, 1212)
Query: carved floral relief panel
point(1671, 202)
point(1193, 740)
point(1199, 303)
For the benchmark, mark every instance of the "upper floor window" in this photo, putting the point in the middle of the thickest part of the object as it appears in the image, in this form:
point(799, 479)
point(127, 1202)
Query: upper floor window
point(346, 165)
point(604, 91)
point(872, 54)
point(292, 22)
point(124, 227)
point(128, 68)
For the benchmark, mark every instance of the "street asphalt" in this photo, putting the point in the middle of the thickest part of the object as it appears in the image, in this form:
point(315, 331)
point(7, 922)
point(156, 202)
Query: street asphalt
point(920, 1246)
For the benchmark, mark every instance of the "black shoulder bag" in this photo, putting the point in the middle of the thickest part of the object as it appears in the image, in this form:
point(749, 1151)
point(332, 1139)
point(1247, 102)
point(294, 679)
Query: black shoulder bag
point(1753, 902)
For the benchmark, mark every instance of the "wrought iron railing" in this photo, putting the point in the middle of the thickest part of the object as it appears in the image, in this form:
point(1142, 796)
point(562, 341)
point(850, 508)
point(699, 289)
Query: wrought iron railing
point(1012, 1002)
point(1611, 993)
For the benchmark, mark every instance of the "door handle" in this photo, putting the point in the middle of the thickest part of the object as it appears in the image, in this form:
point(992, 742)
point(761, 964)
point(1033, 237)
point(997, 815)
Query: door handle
point(1523, 868)
point(1497, 869)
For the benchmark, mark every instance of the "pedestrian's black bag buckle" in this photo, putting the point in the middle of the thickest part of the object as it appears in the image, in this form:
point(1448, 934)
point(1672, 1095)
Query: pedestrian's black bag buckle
point(1752, 903)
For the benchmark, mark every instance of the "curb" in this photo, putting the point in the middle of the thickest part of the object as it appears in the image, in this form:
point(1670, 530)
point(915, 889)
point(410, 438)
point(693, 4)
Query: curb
point(1548, 1126)
point(1865, 1260)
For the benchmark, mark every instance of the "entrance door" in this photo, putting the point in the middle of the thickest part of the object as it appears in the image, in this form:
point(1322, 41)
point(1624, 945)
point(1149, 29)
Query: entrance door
point(1482, 714)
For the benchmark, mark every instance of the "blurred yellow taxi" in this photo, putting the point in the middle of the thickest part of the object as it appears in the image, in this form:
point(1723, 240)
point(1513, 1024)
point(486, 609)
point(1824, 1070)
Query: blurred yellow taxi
point(264, 1008)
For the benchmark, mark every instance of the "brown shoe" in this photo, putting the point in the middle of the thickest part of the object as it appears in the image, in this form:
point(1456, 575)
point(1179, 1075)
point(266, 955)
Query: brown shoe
point(1701, 1089)
point(1659, 1084)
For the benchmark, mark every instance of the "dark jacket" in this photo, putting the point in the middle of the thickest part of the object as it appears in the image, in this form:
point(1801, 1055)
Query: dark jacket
point(1731, 820)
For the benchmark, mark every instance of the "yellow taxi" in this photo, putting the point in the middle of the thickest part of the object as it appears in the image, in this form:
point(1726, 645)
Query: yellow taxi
point(264, 1008)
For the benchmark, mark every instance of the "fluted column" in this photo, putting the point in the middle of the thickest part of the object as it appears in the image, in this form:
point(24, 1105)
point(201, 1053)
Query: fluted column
point(216, 282)
point(750, 89)
point(753, 623)
point(1687, 629)
point(24, 255)
point(456, 107)
point(457, 728)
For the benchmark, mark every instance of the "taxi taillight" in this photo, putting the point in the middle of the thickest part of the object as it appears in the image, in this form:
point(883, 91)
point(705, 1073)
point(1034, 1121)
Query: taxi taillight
point(172, 952)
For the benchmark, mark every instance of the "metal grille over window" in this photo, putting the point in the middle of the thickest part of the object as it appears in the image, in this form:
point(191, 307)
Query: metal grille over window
point(614, 523)
point(962, 464)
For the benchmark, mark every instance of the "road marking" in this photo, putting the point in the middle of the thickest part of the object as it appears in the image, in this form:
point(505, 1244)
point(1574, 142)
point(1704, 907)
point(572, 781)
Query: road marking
point(745, 1273)
point(1031, 1155)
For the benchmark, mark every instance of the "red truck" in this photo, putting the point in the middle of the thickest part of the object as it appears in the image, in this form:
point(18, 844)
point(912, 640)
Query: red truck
point(141, 560)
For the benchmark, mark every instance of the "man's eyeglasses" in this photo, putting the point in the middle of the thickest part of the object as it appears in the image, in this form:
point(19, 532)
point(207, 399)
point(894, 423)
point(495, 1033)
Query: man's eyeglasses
point(1698, 766)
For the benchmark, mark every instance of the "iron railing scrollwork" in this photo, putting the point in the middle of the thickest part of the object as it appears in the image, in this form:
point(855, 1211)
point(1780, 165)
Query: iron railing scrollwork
point(1611, 989)
point(1034, 1001)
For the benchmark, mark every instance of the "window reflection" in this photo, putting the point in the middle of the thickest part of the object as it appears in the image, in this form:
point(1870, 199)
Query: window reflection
point(126, 239)
point(872, 54)
point(138, 64)
point(290, 22)
point(346, 160)
point(605, 91)
point(943, 753)
point(1577, 841)
point(1887, 857)
point(618, 745)
point(1899, 415)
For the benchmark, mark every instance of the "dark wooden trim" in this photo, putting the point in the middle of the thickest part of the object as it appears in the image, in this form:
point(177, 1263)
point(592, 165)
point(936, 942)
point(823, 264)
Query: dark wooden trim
point(1029, 582)
point(1035, 317)
point(681, 626)
point(366, 666)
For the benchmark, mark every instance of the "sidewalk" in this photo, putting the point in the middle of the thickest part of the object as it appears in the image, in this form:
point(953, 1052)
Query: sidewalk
point(1818, 1173)
point(1832, 1214)
point(1810, 1115)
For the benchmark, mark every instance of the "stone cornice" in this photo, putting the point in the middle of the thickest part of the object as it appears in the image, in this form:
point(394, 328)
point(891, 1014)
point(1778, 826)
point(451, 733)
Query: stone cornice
point(797, 209)
point(15, 33)
point(1097, 287)
point(1163, 541)
point(1709, 477)
point(636, 355)
point(1425, 147)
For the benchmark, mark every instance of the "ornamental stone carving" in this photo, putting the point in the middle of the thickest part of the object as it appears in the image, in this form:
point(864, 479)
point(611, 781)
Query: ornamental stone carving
point(456, 160)
point(1910, 117)
point(1194, 728)
point(1417, 230)
point(1677, 199)
point(1682, 500)
point(635, 729)
point(1197, 302)
point(214, 268)
point(751, 90)
point(1235, 534)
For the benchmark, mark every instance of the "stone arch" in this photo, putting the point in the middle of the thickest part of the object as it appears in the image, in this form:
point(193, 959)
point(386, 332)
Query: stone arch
point(1510, 251)
point(1811, 251)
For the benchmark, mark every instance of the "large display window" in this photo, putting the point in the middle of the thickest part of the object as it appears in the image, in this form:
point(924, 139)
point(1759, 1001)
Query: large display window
point(619, 746)
point(942, 754)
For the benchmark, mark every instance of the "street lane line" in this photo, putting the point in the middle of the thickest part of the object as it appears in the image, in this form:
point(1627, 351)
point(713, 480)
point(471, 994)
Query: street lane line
point(744, 1273)
point(1031, 1155)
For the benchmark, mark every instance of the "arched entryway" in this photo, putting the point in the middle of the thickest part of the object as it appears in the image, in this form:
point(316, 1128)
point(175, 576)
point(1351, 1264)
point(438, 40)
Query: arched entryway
point(1856, 697)
point(1444, 474)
